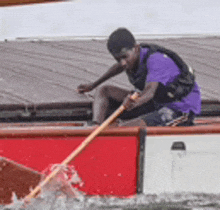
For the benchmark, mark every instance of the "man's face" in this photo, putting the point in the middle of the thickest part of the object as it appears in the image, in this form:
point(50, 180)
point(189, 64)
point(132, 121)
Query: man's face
point(128, 58)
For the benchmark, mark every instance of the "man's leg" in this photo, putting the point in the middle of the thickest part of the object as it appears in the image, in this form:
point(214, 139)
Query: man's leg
point(138, 111)
point(161, 117)
point(168, 117)
point(104, 97)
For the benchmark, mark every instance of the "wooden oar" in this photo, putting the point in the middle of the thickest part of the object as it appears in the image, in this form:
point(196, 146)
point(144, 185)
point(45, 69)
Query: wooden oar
point(79, 149)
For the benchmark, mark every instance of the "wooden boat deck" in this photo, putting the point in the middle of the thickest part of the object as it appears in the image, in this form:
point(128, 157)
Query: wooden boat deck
point(38, 78)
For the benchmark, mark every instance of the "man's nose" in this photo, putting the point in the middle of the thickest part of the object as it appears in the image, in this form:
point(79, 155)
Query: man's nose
point(123, 62)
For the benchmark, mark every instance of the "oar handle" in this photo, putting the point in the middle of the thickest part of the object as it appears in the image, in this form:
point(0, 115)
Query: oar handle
point(79, 149)
point(97, 131)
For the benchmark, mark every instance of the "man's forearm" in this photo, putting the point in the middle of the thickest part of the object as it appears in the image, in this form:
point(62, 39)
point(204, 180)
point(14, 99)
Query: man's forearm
point(148, 93)
point(113, 71)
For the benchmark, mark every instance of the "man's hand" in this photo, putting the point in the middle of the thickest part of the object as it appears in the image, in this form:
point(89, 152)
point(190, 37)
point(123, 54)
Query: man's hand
point(129, 103)
point(85, 88)
point(144, 97)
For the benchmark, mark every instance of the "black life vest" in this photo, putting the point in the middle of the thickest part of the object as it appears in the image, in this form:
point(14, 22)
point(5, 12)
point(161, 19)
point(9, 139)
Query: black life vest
point(174, 91)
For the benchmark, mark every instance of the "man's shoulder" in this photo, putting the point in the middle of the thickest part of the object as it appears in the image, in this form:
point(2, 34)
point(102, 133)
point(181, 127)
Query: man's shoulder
point(151, 53)
point(158, 59)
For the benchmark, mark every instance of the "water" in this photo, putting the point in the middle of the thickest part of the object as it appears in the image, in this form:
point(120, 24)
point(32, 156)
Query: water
point(61, 193)
point(53, 201)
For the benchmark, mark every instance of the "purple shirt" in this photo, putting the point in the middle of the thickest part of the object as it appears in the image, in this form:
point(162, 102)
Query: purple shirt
point(162, 69)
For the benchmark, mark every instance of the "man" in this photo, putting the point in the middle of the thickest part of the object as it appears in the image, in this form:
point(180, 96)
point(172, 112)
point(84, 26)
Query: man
point(169, 95)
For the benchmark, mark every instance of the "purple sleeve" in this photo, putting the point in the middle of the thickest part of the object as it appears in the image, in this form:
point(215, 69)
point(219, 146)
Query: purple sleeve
point(161, 69)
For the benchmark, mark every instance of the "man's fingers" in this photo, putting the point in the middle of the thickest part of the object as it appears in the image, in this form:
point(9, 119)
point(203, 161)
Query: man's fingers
point(128, 102)
point(84, 88)
point(80, 90)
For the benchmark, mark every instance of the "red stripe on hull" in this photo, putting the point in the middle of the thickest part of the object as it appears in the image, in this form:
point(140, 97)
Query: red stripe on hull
point(108, 166)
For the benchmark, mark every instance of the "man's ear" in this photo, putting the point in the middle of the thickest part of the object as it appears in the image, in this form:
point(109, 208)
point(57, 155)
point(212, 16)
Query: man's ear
point(137, 48)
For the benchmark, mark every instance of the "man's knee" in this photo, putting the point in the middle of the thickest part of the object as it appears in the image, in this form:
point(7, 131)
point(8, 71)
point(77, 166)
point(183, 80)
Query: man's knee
point(103, 90)
point(112, 92)
point(152, 119)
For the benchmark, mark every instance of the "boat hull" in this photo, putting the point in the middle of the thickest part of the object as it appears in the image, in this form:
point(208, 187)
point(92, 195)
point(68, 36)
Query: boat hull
point(108, 166)
point(122, 161)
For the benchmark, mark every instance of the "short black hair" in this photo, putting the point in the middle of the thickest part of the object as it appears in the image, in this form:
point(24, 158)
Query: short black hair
point(119, 39)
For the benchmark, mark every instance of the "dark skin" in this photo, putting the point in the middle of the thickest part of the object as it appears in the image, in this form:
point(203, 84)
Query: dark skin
point(126, 61)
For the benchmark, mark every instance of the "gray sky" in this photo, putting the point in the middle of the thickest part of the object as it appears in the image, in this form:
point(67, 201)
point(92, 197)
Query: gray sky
point(100, 17)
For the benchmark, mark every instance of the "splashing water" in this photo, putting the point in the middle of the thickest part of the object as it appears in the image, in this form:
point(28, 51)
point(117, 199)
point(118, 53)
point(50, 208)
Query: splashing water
point(183, 201)
point(66, 181)
point(60, 194)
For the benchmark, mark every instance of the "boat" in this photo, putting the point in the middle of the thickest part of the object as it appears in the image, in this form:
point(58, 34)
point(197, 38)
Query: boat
point(121, 161)
point(43, 120)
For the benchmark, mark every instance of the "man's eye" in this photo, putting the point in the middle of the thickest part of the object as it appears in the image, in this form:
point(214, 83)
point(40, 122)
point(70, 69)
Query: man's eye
point(120, 58)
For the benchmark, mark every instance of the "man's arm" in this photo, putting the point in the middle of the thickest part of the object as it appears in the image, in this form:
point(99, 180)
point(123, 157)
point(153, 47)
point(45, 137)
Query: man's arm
point(113, 71)
point(148, 92)
point(146, 95)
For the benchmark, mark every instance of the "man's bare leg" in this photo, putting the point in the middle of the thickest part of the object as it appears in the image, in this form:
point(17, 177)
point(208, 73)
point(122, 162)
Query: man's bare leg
point(102, 101)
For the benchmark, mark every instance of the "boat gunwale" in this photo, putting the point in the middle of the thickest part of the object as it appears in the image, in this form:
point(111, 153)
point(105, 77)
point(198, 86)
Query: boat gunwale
point(36, 131)
point(49, 131)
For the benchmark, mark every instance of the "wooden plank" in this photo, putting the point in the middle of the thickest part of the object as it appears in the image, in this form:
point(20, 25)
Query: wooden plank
point(16, 178)
point(36, 131)
point(18, 2)
point(206, 129)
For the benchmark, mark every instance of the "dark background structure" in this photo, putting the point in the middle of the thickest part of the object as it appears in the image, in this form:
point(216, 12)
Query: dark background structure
point(38, 78)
